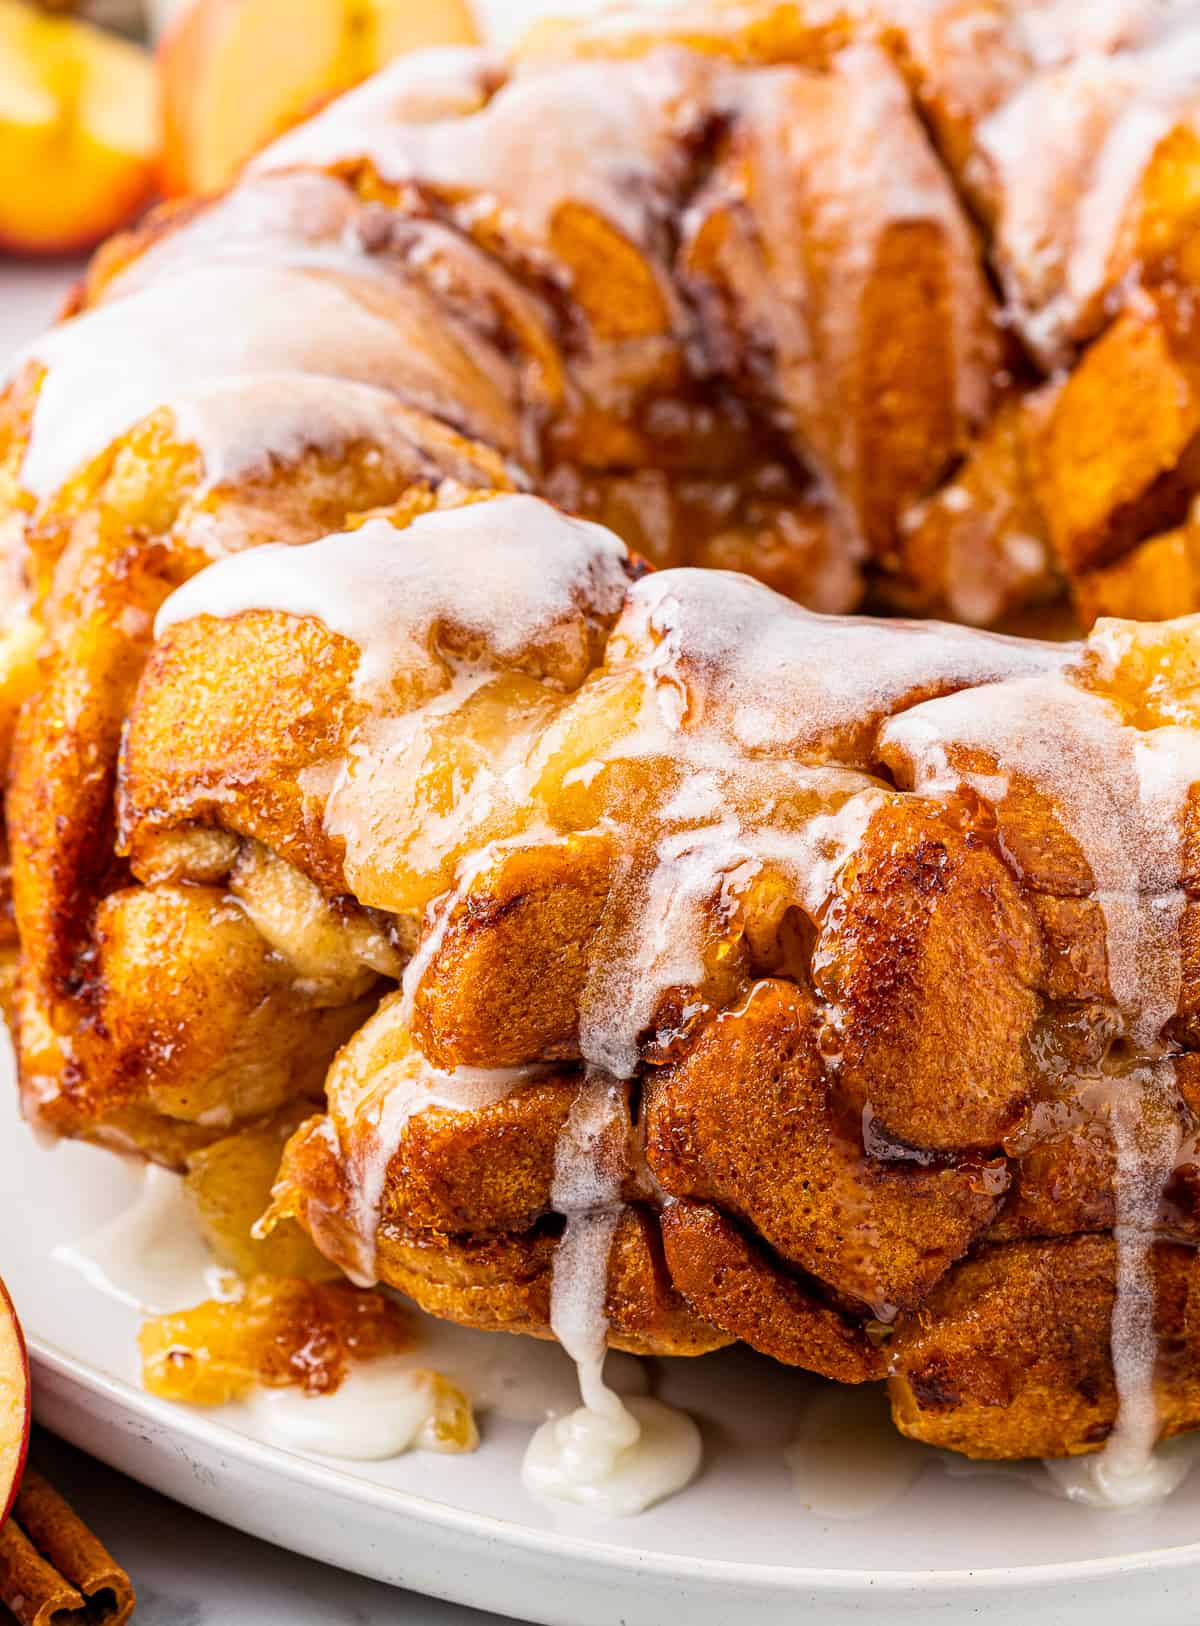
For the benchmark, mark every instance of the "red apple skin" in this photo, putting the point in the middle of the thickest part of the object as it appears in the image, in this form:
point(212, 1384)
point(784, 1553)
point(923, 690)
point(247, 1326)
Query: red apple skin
point(8, 1492)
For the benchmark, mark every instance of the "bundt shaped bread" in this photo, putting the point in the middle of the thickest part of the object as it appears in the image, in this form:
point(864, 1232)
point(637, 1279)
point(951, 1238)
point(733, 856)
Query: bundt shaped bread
point(635, 934)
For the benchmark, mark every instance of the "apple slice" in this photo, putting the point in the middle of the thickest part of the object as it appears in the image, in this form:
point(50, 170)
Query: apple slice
point(78, 132)
point(14, 1403)
point(237, 73)
point(391, 27)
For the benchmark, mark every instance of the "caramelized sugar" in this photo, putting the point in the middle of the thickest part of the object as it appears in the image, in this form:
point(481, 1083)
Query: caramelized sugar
point(279, 1333)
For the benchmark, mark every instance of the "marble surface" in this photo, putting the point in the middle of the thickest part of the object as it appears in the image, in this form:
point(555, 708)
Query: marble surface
point(31, 296)
point(189, 1571)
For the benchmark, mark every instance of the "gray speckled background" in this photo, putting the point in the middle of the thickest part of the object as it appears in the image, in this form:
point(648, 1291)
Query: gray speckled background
point(190, 1571)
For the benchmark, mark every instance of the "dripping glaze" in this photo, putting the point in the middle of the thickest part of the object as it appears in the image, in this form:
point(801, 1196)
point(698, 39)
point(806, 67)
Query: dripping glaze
point(614, 1456)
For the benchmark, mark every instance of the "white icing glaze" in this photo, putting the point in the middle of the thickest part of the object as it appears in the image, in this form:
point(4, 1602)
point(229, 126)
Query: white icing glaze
point(1057, 107)
point(599, 135)
point(669, 911)
point(847, 1459)
point(420, 87)
point(1081, 1479)
point(513, 571)
point(1120, 793)
point(1092, 1482)
point(189, 341)
point(240, 424)
point(1065, 160)
point(1146, 1136)
point(741, 688)
point(1054, 31)
point(589, 1167)
point(611, 1455)
point(303, 221)
point(151, 1255)
point(528, 588)
point(398, 1092)
point(438, 915)
point(791, 678)
point(817, 140)
point(380, 1409)
point(601, 1464)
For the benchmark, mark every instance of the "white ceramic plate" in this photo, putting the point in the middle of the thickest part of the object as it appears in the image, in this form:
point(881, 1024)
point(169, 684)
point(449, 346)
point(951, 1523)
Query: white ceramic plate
point(741, 1543)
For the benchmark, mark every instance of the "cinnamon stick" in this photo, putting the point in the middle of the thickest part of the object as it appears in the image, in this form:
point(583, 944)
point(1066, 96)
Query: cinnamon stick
point(53, 1570)
point(125, 15)
point(33, 1589)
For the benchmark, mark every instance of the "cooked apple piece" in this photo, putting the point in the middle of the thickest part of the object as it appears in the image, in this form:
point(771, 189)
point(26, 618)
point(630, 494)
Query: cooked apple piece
point(281, 1333)
point(229, 1187)
point(14, 1403)
point(1117, 455)
point(1154, 581)
point(78, 132)
point(236, 73)
point(387, 28)
point(18, 671)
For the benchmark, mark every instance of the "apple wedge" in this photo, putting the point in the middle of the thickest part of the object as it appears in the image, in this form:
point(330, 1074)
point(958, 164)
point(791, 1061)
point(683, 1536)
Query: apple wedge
point(388, 28)
point(14, 1403)
point(236, 73)
point(78, 132)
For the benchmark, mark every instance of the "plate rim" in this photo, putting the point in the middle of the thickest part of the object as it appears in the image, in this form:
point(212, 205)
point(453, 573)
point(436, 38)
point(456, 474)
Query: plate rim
point(313, 1475)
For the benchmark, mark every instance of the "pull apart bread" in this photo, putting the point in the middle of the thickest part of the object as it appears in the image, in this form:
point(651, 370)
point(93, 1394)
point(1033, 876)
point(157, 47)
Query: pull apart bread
point(609, 941)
